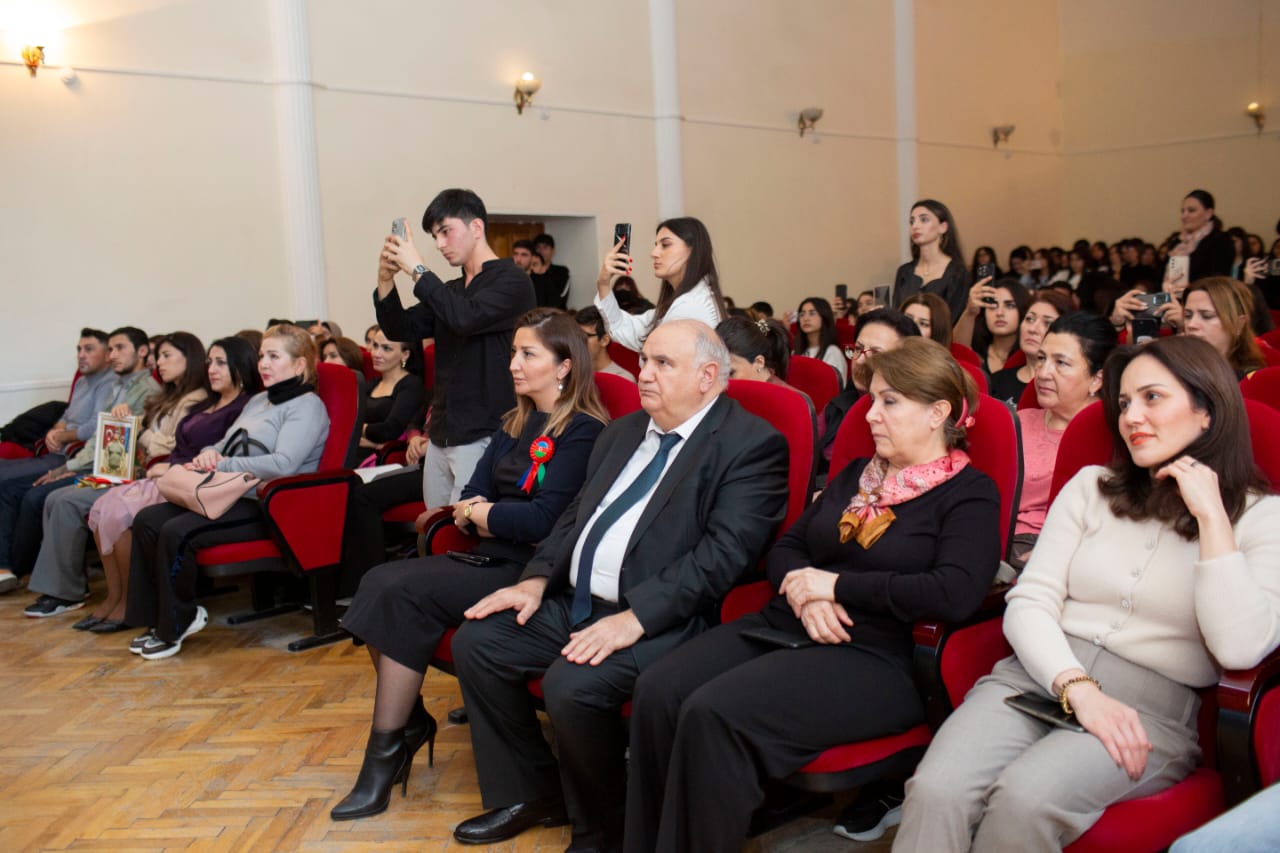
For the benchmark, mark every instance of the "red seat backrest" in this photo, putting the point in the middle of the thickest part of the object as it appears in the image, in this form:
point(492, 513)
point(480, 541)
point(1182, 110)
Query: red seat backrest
point(1270, 354)
point(429, 369)
point(979, 377)
point(1263, 385)
point(995, 446)
point(627, 359)
point(789, 414)
point(1029, 400)
point(1266, 736)
point(1016, 359)
point(965, 354)
point(620, 396)
point(814, 377)
point(366, 365)
point(340, 392)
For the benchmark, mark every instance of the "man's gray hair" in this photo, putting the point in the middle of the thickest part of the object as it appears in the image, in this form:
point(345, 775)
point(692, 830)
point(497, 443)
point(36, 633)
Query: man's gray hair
point(707, 347)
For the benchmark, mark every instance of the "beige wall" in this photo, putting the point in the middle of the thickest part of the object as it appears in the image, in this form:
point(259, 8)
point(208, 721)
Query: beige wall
point(1156, 101)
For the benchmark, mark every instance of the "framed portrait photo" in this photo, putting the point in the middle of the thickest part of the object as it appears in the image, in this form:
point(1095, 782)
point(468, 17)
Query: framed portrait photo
point(114, 448)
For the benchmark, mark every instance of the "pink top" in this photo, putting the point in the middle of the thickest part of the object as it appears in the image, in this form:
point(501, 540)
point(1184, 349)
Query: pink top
point(1039, 451)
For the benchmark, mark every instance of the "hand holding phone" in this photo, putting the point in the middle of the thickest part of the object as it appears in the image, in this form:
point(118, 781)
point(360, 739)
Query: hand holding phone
point(617, 262)
point(842, 291)
point(984, 271)
point(622, 232)
point(398, 228)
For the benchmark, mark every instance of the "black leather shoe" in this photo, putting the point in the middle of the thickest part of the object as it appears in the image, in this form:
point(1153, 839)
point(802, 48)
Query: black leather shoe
point(386, 761)
point(420, 729)
point(109, 626)
point(87, 623)
point(501, 824)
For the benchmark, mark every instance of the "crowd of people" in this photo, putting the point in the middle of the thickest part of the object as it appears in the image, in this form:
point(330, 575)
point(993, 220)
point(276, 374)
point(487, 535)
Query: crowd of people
point(605, 547)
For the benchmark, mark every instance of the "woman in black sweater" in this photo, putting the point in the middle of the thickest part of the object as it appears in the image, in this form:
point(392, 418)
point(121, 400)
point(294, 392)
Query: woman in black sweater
point(715, 719)
point(395, 403)
point(533, 467)
point(937, 264)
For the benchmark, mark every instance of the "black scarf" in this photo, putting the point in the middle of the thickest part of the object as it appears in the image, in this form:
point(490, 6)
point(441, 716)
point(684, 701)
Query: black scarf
point(282, 392)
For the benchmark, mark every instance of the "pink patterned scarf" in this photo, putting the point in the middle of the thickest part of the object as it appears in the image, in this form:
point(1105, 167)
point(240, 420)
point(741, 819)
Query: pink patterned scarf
point(868, 515)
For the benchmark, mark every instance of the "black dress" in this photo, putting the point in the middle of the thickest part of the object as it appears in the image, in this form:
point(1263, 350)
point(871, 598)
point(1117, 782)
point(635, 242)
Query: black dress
point(402, 609)
point(952, 286)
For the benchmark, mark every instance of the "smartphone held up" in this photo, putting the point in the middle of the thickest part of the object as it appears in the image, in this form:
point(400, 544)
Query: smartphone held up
point(622, 231)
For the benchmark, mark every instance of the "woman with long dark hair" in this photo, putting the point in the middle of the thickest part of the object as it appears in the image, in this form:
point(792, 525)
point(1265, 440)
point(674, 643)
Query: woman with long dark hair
point(402, 609)
point(817, 339)
point(684, 262)
point(991, 321)
point(1150, 576)
point(937, 263)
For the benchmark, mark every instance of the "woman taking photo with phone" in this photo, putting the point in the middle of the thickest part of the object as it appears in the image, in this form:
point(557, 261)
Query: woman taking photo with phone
point(991, 320)
point(817, 338)
point(287, 426)
point(528, 474)
point(1150, 575)
point(937, 264)
point(683, 261)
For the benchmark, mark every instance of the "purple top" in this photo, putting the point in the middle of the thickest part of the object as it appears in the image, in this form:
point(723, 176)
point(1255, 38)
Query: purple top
point(199, 430)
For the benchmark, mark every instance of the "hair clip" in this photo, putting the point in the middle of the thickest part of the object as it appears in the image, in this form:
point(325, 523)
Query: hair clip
point(763, 325)
point(965, 420)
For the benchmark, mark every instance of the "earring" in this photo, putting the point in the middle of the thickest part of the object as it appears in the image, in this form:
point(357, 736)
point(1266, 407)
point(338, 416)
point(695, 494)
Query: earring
point(404, 362)
point(560, 386)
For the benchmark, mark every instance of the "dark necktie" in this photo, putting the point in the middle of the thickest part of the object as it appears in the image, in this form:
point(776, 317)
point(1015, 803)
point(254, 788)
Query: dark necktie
point(632, 495)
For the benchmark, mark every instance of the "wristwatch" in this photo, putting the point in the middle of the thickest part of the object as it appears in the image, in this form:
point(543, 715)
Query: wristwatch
point(466, 512)
point(418, 272)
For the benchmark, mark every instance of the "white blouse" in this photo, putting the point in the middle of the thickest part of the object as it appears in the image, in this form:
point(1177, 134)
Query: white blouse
point(630, 330)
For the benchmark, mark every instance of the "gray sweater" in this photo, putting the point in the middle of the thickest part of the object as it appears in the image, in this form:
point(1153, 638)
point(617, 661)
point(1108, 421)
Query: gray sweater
point(293, 432)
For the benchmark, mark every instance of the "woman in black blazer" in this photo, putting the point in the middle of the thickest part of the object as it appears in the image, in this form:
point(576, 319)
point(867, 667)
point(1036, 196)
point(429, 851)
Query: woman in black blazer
point(937, 264)
point(533, 467)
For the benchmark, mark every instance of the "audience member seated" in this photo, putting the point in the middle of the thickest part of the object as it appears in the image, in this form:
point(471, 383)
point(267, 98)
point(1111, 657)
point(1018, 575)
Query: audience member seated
point(1045, 307)
point(342, 351)
point(325, 329)
point(758, 352)
point(762, 309)
point(396, 402)
point(984, 255)
point(253, 338)
point(59, 568)
point(368, 335)
point(1068, 377)
point(22, 499)
point(817, 337)
point(287, 426)
point(683, 261)
point(1217, 310)
point(990, 322)
point(1150, 576)
point(628, 296)
point(932, 315)
point(402, 609)
point(592, 324)
point(680, 499)
point(937, 264)
point(878, 331)
point(911, 533)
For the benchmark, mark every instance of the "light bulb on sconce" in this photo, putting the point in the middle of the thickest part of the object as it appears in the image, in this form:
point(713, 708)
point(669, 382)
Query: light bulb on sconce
point(809, 120)
point(525, 87)
point(33, 56)
point(1255, 111)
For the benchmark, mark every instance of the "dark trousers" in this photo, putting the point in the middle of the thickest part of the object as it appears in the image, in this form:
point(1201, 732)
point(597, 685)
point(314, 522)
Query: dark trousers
point(365, 544)
point(162, 568)
point(495, 657)
point(716, 718)
point(22, 520)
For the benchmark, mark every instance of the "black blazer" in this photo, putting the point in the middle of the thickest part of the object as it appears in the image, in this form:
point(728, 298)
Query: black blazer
point(1215, 255)
point(705, 526)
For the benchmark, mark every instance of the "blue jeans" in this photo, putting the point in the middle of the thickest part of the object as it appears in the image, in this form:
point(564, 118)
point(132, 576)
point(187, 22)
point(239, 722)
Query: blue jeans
point(1251, 827)
point(21, 520)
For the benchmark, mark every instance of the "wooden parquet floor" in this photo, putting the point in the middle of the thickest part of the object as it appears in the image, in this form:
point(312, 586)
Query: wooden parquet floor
point(233, 745)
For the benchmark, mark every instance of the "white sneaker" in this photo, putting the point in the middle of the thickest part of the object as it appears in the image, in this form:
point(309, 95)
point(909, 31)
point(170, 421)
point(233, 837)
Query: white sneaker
point(168, 650)
point(8, 581)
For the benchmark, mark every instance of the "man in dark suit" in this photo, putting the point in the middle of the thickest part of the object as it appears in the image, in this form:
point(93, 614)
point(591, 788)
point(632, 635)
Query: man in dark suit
point(680, 501)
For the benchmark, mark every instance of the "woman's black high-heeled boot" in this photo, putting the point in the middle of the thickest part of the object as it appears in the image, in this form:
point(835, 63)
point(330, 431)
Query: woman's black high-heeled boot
point(420, 729)
point(387, 760)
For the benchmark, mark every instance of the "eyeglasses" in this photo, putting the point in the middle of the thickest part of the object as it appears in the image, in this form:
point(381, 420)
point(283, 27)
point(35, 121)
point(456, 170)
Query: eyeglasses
point(860, 351)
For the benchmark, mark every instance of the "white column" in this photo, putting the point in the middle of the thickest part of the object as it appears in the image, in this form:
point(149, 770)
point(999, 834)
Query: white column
point(904, 78)
point(666, 107)
point(296, 147)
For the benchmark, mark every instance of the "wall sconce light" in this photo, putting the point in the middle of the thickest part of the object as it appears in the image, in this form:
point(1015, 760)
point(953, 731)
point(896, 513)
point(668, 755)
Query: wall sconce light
point(33, 57)
point(525, 87)
point(1255, 112)
point(809, 119)
point(1001, 133)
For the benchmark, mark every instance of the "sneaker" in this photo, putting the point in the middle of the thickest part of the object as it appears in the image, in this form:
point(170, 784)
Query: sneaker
point(168, 650)
point(48, 605)
point(8, 581)
point(877, 808)
point(144, 641)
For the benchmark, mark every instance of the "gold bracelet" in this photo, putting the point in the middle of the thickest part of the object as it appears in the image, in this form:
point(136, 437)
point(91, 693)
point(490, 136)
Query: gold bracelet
point(1062, 691)
point(466, 512)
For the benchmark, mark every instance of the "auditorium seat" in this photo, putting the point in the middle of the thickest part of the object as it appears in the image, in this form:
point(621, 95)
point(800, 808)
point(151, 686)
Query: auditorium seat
point(814, 377)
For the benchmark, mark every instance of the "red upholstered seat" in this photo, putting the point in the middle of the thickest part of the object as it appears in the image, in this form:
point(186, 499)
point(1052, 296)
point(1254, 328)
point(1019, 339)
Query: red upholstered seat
point(429, 369)
point(814, 377)
point(1272, 338)
point(620, 396)
point(789, 414)
point(366, 366)
point(965, 355)
point(627, 359)
point(404, 513)
point(1267, 737)
point(1029, 400)
point(1263, 386)
point(238, 552)
point(1016, 359)
point(1270, 353)
point(1153, 823)
point(979, 376)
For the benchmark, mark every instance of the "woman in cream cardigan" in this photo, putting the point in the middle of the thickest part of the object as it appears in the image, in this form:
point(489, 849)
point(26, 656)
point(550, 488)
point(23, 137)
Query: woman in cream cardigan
point(1149, 576)
point(683, 260)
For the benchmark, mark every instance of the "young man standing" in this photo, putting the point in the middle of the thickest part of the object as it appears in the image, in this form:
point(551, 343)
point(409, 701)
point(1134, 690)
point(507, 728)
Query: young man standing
point(471, 318)
point(522, 254)
point(550, 281)
point(22, 500)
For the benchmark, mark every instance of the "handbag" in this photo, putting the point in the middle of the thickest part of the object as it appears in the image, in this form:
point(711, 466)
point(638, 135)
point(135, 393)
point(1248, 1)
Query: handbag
point(211, 493)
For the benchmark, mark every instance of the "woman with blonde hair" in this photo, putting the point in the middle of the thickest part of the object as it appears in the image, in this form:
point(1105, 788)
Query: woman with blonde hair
point(286, 426)
point(1217, 309)
point(533, 467)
